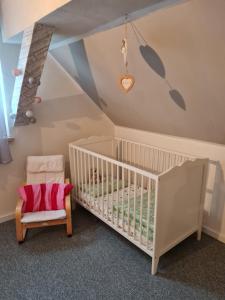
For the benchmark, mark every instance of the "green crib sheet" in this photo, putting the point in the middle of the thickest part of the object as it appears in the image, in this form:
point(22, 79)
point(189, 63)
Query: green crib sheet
point(112, 187)
point(137, 213)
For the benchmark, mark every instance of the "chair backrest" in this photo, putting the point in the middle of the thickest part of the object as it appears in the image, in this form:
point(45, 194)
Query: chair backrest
point(45, 169)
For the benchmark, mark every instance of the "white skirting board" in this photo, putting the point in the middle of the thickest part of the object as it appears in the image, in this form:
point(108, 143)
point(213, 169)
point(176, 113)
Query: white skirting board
point(7, 217)
point(214, 234)
point(206, 229)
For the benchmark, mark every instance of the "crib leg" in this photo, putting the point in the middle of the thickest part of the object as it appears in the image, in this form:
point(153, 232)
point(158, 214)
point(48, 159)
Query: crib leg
point(155, 261)
point(199, 234)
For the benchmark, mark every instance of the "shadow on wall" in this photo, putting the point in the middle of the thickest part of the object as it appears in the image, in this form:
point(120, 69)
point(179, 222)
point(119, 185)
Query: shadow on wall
point(84, 74)
point(155, 63)
point(86, 80)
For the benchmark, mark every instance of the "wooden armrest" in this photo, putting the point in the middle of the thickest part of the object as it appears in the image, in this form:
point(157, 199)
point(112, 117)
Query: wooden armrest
point(68, 200)
point(68, 205)
point(19, 206)
point(19, 209)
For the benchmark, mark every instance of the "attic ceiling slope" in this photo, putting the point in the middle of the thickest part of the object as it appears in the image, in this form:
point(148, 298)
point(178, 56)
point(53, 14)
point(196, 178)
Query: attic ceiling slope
point(187, 99)
point(81, 18)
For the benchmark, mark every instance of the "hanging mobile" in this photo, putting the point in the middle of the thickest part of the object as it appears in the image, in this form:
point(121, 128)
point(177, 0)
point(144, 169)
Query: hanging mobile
point(127, 80)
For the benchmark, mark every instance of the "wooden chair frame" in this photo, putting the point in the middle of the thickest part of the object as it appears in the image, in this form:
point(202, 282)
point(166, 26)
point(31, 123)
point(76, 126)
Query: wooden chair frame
point(21, 228)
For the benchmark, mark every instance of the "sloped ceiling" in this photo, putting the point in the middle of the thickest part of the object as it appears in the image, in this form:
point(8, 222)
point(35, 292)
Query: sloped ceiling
point(79, 17)
point(52, 75)
point(180, 72)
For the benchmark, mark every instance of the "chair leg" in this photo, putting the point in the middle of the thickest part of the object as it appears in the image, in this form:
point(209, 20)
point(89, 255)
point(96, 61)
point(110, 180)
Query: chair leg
point(69, 229)
point(20, 232)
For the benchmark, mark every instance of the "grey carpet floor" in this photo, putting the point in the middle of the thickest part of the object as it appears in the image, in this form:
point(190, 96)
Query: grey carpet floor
point(97, 263)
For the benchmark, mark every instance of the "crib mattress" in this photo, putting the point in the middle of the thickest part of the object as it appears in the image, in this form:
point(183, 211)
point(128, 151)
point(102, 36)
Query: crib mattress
point(116, 208)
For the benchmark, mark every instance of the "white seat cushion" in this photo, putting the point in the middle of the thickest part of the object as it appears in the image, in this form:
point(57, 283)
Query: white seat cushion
point(41, 216)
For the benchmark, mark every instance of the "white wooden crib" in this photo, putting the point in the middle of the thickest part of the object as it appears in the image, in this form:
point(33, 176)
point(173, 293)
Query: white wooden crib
point(151, 196)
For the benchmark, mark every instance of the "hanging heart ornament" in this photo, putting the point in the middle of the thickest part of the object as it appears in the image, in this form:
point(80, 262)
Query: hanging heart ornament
point(127, 82)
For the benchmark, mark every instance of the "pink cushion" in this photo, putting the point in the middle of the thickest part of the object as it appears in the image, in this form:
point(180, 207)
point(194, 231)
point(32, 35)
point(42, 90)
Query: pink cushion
point(44, 196)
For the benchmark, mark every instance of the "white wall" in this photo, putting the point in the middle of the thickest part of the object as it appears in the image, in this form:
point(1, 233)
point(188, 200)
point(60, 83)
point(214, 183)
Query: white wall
point(214, 210)
point(65, 115)
point(19, 14)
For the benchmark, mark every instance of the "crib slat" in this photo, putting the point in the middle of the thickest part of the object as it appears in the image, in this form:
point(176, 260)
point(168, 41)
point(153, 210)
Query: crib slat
point(78, 173)
point(71, 159)
point(89, 180)
point(98, 183)
point(163, 162)
point(131, 154)
point(135, 198)
point(81, 171)
point(107, 189)
point(158, 161)
point(102, 174)
point(113, 148)
point(148, 211)
point(85, 172)
point(170, 160)
point(141, 208)
point(175, 160)
point(75, 167)
point(153, 160)
point(126, 151)
point(117, 195)
point(139, 154)
point(93, 182)
point(129, 158)
point(123, 187)
point(142, 157)
point(135, 161)
point(112, 183)
point(128, 196)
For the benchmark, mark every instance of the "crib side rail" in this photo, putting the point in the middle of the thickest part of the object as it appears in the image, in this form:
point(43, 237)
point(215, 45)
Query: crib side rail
point(148, 157)
point(114, 161)
point(121, 195)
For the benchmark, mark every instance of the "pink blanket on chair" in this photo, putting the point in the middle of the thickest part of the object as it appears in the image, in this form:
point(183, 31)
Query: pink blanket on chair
point(44, 196)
